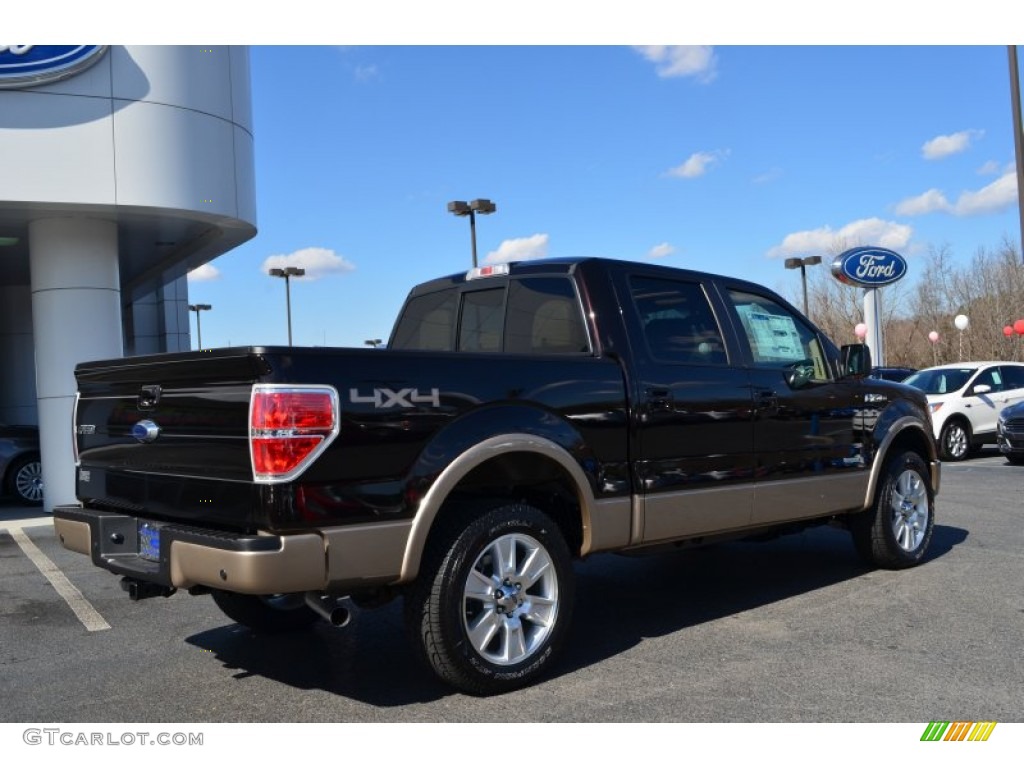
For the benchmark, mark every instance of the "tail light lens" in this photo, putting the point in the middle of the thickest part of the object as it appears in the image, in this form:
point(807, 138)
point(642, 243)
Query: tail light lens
point(288, 428)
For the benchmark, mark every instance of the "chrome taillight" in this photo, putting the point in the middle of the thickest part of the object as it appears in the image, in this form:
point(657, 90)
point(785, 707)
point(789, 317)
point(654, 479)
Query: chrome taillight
point(289, 427)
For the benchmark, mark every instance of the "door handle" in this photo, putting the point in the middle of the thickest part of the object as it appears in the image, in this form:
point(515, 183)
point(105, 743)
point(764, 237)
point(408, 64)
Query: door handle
point(766, 399)
point(659, 399)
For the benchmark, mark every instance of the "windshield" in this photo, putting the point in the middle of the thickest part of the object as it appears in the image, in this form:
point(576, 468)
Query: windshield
point(940, 381)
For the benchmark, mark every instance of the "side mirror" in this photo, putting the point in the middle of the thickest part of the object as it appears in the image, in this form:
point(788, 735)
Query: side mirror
point(981, 389)
point(800, 374)
point(855, 360)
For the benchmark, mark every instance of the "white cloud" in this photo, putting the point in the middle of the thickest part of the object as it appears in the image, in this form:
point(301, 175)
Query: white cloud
point(661, 251)
point(929, 202)
point(204, 273)
point(990, 168)
point(993, 198)
point(697, 61)
point(318, 262)
point(944, 146)
point(825, 240)
point(696, 164)
point(365, 73)
point(519, 249)
point(997, 196)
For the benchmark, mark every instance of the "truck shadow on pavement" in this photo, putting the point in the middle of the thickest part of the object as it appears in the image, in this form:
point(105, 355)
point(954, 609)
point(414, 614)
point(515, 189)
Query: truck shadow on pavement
point(620, 601)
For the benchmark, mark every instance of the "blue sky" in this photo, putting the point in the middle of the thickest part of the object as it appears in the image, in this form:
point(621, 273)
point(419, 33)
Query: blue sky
point(725, 159)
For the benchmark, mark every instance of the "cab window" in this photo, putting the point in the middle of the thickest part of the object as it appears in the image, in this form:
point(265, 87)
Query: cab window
point(778, 338)
point(677, 321)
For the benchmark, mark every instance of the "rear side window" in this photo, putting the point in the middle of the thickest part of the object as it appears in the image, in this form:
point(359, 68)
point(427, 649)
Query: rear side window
point(428, 323)
point(1013, 376)
point(544, 317)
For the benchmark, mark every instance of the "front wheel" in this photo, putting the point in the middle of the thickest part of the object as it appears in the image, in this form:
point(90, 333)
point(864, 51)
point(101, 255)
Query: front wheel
point(955, 440)
point(896, 531)
point(493, 602)
point(26, 480)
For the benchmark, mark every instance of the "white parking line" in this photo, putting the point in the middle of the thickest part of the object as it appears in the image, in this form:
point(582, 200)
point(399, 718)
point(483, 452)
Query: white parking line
point(83, 609)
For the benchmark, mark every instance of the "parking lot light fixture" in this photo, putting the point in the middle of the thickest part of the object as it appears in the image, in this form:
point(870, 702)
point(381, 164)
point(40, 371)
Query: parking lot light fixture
point(287, 273)
point(473, 207)
point(802, 264)
point(197, 308)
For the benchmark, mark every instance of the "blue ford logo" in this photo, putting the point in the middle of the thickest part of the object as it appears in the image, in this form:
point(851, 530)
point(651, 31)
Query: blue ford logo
point(27, 65)
point(869, 267)
point(145, 431)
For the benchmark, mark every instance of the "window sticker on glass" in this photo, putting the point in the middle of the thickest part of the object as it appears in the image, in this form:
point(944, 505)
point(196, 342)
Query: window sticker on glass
point(773, 337)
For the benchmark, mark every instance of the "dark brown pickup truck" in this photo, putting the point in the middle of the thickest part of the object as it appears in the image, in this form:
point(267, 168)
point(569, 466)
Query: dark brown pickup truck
point(523, 416)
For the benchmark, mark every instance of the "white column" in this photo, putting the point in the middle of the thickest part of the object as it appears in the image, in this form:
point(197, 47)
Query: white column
point(76, 316)
point(873, 320)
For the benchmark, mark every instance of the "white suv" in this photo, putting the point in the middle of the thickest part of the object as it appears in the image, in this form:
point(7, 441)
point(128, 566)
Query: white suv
point(966, 399)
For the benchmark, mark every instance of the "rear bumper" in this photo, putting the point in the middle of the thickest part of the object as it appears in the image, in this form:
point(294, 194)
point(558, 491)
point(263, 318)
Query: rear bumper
point(191, 556)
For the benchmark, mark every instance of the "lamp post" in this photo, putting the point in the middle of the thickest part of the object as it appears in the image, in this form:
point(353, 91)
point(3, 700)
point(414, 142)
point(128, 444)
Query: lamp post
point(802, 265)
point(287, 273)
point(473, 207)
point(197, 308)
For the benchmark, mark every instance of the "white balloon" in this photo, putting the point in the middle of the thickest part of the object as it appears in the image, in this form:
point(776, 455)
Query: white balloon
point(961, 322)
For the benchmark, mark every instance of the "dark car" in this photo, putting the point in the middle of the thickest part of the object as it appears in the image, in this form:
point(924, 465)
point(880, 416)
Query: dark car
point(892, 374)
point(21, 471)
point(1010, 433)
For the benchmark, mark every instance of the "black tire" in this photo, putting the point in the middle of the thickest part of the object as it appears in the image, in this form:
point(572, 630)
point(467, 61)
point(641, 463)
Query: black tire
point(25, 480)
point(896, 531)
point(483, 628)
point(955, 440)
point(1015, 458)
point(268, 614)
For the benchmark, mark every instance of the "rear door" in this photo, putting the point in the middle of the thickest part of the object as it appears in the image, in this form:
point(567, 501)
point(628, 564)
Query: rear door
point(693, 445)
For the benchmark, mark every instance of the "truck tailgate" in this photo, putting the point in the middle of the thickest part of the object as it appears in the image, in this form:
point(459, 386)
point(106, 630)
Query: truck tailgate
point(168, 435)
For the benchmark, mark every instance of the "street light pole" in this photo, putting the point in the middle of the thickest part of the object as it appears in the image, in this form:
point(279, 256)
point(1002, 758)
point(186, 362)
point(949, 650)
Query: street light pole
point(473, 207)
point(1018, 137)
point(197, 308)
point(802, 264)
point(287, 273)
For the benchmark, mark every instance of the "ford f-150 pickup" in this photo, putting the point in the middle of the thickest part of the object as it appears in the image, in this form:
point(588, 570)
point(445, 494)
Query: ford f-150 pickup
point(521, 417)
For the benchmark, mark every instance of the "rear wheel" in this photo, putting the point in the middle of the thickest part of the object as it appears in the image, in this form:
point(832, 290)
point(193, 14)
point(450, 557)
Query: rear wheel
point(266, 613)
point(896, 531)
point(1015, 458)
point(955, 440)
point(493, 602)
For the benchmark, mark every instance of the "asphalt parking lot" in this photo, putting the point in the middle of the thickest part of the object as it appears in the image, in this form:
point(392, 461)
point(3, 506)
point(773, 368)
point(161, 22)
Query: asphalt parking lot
point(791, 630)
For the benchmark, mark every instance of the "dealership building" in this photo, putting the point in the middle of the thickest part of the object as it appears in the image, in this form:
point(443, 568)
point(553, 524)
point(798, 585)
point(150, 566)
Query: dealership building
point(121, 169)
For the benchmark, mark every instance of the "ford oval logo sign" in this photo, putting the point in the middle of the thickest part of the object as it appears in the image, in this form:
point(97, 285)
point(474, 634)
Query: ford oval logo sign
point(145, 431)
point(23, 66)
point(869, 267)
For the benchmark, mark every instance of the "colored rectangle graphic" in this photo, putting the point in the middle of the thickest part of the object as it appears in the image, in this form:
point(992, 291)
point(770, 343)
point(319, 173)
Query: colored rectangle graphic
point(958, 731)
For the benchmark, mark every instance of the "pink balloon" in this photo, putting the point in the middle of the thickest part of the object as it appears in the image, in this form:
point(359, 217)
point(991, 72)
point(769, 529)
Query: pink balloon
point(933, 336)
point(1007, 331)
point(860, 330)
point(1019, 327)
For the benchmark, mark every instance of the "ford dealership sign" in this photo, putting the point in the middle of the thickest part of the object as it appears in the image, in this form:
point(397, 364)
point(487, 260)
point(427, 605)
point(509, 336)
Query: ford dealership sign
point(22, 66)
point(869, 267)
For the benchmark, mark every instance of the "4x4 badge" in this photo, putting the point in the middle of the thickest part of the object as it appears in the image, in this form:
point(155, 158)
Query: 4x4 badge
point(383, 397)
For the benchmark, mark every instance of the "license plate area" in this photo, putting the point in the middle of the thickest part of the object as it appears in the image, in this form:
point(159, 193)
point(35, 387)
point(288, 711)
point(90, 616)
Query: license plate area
point(149, 541)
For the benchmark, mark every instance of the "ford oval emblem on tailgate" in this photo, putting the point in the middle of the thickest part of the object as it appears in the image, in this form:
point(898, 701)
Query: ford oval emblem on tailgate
point(145, 431)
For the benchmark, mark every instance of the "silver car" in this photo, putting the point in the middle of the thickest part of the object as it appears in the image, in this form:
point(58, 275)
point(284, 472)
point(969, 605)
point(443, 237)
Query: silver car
point(21, 471)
